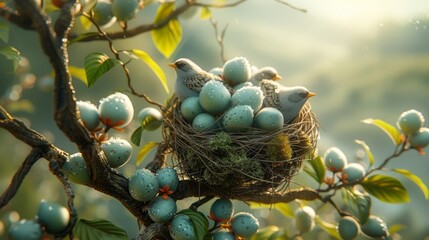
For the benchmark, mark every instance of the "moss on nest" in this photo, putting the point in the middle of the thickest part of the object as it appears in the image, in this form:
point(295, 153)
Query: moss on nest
point(279, 149)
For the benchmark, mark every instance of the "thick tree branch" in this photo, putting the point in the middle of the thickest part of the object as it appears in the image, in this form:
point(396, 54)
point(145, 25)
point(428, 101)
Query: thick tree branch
point(14, 17)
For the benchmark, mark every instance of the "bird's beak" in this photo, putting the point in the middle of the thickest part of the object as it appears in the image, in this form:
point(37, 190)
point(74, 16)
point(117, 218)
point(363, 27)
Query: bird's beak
point(277, 77)
point(172, 65)
point(311, 94)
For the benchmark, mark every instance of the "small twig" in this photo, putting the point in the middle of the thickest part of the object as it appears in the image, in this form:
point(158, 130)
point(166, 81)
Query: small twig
point(291, 6)
point(194, 206)
point(219, 38)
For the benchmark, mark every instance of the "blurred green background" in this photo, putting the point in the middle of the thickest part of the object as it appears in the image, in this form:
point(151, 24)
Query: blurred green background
point(364, 59)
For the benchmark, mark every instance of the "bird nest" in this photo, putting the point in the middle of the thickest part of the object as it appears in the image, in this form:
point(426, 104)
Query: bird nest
point(240, 163)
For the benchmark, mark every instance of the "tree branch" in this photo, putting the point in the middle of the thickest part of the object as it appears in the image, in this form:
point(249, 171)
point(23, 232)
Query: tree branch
point(14, 17)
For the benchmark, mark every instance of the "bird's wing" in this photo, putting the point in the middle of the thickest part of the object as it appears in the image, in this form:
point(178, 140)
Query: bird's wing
point(197, 81)
point(270, 91)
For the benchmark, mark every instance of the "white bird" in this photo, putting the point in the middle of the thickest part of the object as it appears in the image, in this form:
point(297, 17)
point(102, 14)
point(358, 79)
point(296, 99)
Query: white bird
point(269, 73)
point(288, 100)
point(190, 78)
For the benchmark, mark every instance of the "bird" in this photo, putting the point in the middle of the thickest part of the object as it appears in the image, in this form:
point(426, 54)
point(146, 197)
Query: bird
point(288, 100)
point(269, 73)
point(191, 78)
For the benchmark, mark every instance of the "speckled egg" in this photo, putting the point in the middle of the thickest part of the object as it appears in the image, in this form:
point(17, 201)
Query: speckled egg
point(335, 160)
point(116, 110)
point(221, 210)
point(143, 185)
point(76, 170)
point(238, 118)
point(182, 228)
point(244, 225)
point(223, 235)
point(251, 96)
point(190, 108)
point(25, 230)
point(420, 139)
point(237, 70)
point(216, 71)
point(375, 227)
point(167, 178)
point(214, 97)
point(162, 210)
point(54, 217)
point(151, 118)
point(269, 119)
point(88, 114)
point(118, 151)
point(204, 122)
point(242, 85)
point(352, 173)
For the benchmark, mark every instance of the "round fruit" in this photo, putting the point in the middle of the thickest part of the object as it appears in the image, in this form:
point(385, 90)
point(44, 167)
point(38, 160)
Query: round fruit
point(352, 173)
point(252, 96)
point(116, 110)
point(103, 15)
point(54, 217)
point(223, 235)
point(153, 118)
point(238, 118)
point(242, 85)
point(420, 139)
point(167, 179)
point(76, 170)
point(25, 230)
point(162, 210)
point(204, 122)
point(124, 10)
point(244, 224)
point(335, 160)
point(182, 228)
point(216, 71)
point(143, 185)
point(410, 121)
point(348, 228)
point(237, 70)
point(375, 227)
point(118, 151)
point(190, 108)
point(221, 210)
point(304, 219)
point(214, 97)
point(88, 114)
point(269, 119)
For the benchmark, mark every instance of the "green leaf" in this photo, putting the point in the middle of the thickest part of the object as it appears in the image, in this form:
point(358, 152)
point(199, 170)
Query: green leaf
point(4, 32)
point(283, 208)
point(97, 64)
point(136, 136)
point(415, 179)
point(144, 151)
point(98, 230)
point(367, 150)
point(11, 53)
point(152, 65)
point(167, 38)
point(317, 170)
point(78, 73)
point(386, 189)
point(205, 13)
point(358, 203)
point(271, 233)
point(396, 228)
point(327, 227)
point(390, 130)
point(199, 221)
point(85, 22)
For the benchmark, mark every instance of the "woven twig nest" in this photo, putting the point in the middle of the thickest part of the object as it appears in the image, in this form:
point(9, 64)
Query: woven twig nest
point(240, 163)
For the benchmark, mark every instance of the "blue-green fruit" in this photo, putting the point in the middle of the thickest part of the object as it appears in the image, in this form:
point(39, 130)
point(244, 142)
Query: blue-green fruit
point(420, 139)
point(348, 228)
point(116, 110)
point(242, 85)
point(244, 224)
point(162, 210)
point(118, 151)
point(76, 170)
point(214, 97)
point(304, 219)
point(25, 230)
point(167, 178)
point(238, 118)
point(353, 173)
point(216, 71)
point(103, 15)
point(375, 227)
point(124, 10)
point(223, 235)
point(54, 217)
point(410, 121)
point(190, 108)
point(143, 185)
point(182, 228)
point(237, 70)
point(269, 119)
point(221, 210)
point(204, 122)
point(251, 96)
point(335, 159)
point(89, 115)
point(151, 118)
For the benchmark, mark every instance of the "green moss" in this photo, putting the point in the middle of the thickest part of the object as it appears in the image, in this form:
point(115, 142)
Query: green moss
point(221, 144)
point(279, 148)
